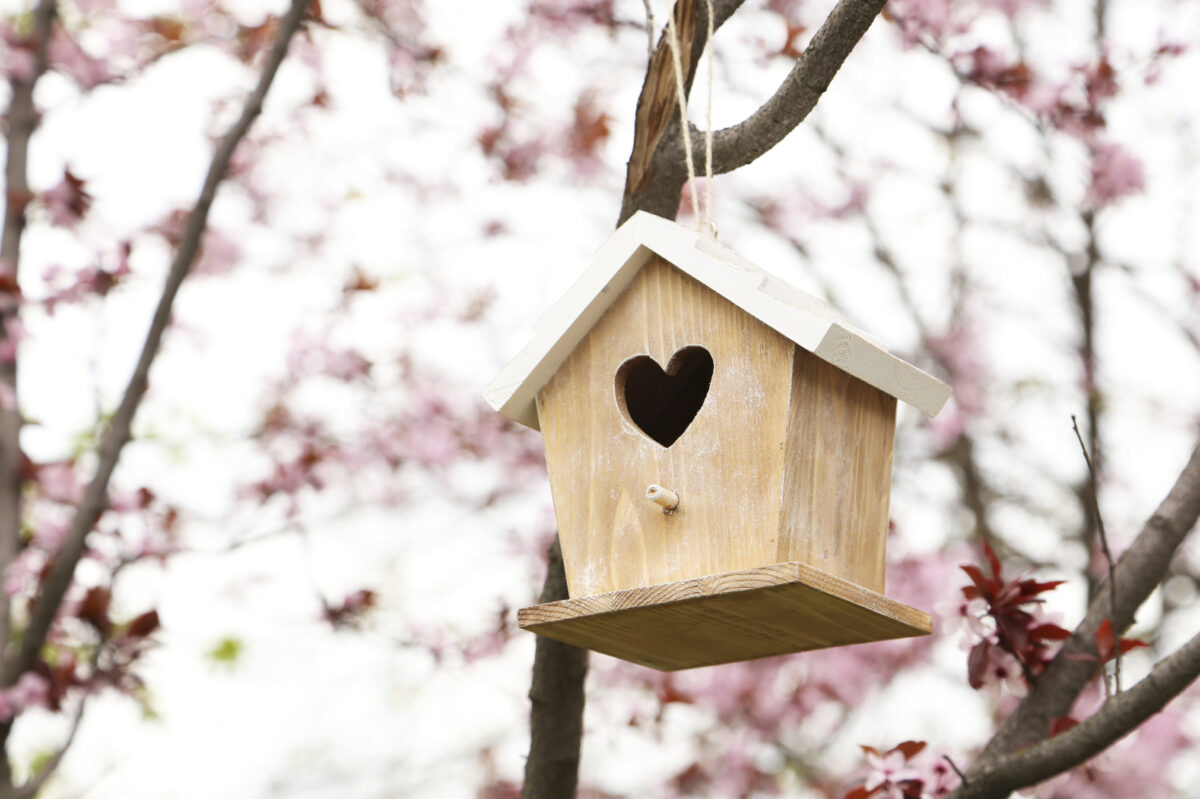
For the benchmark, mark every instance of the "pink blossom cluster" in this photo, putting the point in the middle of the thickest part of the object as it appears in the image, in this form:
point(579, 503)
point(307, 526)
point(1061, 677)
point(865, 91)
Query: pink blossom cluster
point(907, 771)
point(961, 354)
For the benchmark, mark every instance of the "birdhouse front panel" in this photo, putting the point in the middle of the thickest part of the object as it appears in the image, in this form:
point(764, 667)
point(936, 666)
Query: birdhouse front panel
point(673, 387)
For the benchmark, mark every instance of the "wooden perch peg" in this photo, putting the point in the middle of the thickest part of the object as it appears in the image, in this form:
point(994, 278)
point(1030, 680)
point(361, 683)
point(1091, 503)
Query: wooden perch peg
point(664, 497)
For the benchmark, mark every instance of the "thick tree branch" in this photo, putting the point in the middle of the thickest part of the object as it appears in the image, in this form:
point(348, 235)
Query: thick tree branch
point(1138, 572)
point(22, 121)
point(556, 696)
point(653, 183)
point(1119, 716)
point(118, 434)
point(796, 97)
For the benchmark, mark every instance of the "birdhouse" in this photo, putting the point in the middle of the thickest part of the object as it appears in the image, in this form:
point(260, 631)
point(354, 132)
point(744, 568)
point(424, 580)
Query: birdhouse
point(719, 446)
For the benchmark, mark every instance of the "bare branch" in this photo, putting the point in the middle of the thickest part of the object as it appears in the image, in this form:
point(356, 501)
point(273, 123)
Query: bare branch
point(22, 120)
point(1139, 570)
point(796, 97)
point(1119, 716)
point(118, 434)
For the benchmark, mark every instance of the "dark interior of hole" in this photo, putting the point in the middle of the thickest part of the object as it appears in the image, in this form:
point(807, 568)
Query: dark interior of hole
point(661, 404)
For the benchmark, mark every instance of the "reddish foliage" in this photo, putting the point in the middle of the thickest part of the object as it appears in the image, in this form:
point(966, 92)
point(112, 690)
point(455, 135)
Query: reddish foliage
point(349, 612)
point(590, 129)
point(94, 609)
point(897, 774)
point(1062, 724)
point(1018, 631)
point(1107, 644)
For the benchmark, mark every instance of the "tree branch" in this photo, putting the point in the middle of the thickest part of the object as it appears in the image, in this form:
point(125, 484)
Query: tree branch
point(1139, 571)
point(22, 120)
point(796, 97)
point(1119, 716)
point(95, 497)
point(556, 696)
point(652, 183)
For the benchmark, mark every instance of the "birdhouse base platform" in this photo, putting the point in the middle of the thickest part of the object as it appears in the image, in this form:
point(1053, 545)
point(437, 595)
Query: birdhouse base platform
point(721, 618)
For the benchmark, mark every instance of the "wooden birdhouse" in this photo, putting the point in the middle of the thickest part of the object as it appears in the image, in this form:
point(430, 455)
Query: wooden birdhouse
point(719, 447)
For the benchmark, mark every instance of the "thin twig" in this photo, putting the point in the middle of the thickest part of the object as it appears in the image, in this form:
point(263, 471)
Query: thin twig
point(957, 770)
point(119, 432)
point(1112, 577)
point(649, 29)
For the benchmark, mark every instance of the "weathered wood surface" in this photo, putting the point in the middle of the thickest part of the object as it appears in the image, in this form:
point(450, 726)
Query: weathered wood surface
point(726, 468)
point(837, 473)
point(742, 615)
point(788, 458)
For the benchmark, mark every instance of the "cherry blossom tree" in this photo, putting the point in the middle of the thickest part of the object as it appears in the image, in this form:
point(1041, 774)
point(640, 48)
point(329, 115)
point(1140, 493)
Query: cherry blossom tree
point(999, 189)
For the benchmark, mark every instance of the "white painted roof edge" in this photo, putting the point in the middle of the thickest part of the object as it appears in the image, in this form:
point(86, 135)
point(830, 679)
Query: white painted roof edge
point(799, 316)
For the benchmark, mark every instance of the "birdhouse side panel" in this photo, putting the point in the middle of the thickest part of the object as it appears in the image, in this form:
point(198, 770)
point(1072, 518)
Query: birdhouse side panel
point(838, 478)
point(636, 377)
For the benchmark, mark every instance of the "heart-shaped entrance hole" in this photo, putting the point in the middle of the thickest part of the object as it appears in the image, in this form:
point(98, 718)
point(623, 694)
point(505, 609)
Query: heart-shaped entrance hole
point(663, 404)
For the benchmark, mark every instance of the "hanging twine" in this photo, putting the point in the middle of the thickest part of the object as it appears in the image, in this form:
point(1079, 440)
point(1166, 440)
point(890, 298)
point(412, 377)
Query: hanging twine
point(706, 222)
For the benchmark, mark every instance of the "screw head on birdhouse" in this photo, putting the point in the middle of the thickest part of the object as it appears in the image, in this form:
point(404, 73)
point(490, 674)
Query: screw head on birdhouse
point(719, 446)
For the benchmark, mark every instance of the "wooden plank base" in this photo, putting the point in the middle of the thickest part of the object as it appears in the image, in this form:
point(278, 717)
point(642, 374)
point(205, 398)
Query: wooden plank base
point(722, 618)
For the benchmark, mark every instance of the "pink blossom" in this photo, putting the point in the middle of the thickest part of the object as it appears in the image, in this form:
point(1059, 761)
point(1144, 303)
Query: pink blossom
point(887, 771)
point(219, 254)
point(59, 482)
point(67, 202)
point(65, 54)
point(22, 573)
point(50, 534)
point(309, 357)
point(431, 445)
point(14, 334)
point(31, 690)
point(1116, 173)
point(19, 64)
point(1043, 99)
point(921, 17)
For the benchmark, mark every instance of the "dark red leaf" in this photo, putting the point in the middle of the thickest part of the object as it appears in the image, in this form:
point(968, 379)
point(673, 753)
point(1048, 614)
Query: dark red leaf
point(1031, 588)
point(1105, 641)
point(993, 561)
point(977, 663)
point(1131, 643)
point(143, 625)
point(909, 748)
point(986, 586)
point(1050, 632)
point(861, 793)
point(1062, 724)
point(94, 608)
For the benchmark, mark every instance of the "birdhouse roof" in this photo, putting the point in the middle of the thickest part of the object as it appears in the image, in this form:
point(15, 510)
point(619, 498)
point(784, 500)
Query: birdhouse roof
point(799, 316)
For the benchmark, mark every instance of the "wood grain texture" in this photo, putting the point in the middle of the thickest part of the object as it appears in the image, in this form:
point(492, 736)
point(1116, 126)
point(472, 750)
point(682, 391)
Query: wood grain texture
point(742, 615)
point(838, 473)
point(726, 467)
